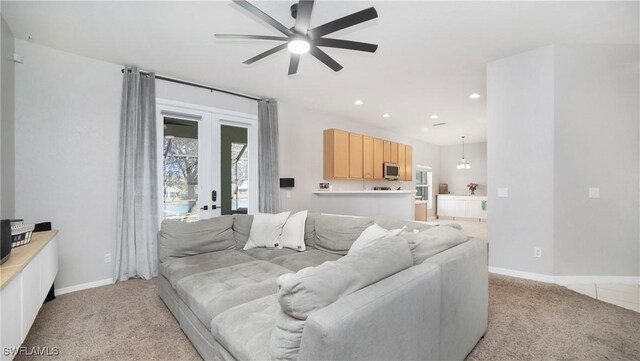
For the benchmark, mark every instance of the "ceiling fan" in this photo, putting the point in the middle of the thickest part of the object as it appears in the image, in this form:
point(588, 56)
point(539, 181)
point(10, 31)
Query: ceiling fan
point(300, 39)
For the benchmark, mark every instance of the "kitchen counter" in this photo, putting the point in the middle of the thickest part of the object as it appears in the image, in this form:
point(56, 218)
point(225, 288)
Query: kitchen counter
point(393, 203)
point(463, 196)
point(402, 192)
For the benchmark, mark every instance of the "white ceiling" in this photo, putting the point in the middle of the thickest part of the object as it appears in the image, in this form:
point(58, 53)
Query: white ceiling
point(431, 55)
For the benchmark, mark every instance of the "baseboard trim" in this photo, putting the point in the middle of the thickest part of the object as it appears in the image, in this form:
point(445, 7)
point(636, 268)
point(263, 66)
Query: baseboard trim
point(83, 286)
point(521, 274)
point(566, 280)
point(576, 280)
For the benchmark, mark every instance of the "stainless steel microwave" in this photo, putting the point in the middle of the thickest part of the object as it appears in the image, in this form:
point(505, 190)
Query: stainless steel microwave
point(391, 171)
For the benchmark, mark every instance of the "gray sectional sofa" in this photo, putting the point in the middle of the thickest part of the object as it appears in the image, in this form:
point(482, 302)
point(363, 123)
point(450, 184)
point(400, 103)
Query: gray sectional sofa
point(395, 300)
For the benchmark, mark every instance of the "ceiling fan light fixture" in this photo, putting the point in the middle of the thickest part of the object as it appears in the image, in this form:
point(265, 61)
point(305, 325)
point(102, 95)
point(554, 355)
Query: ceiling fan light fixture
point(298, 46)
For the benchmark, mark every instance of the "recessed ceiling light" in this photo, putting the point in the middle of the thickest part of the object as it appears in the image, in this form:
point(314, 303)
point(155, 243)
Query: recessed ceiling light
point(474, 96)
point(385, 115)
point(434, 116)
point(424, 129)
point(358, 102)
point(298, 46)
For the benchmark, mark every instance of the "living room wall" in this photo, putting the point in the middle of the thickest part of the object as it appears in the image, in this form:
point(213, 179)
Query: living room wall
point(561, 120)
point(7, 124)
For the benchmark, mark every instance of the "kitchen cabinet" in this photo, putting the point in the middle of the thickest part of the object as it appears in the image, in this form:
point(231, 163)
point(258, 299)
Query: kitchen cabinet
point(394, 152)
point(474, 207)
point(408, 163)
point(355, 156)
point(336, 154)
point(401, 161)
point(387, 151)
point(367, 157)
point(378, 158)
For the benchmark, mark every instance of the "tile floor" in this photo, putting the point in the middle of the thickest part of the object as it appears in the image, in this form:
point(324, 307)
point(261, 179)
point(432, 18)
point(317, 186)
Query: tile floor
point(627, 296)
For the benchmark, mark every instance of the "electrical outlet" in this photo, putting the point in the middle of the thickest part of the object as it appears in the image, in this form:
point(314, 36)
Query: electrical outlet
point(288, 194)
point(537, 252)
point(107, 258)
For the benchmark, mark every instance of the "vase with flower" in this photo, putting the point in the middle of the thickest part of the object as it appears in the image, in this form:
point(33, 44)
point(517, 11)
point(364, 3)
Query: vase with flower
point(472, 187)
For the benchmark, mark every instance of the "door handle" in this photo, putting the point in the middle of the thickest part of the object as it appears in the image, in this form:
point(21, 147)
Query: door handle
point(214, 196)
point(205, 208)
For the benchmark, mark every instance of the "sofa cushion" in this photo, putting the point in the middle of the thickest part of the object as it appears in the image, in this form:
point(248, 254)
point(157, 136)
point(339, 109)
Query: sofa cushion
point(241, 229)
point(313, 288)
point(180, 239)
point(210, 293)
point(390, 223)
point(245, 330)
point(267, 254)
point(266, 229)
point(310, 230)
point(308, 258)
point(336, 234)
point(176, 269)
point(433, 241)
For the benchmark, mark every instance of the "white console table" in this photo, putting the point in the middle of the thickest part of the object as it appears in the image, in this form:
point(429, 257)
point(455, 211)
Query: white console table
point(459, 206)
point(25, 280)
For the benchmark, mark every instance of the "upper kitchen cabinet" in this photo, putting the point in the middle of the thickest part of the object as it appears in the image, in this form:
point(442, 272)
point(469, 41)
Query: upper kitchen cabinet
point(355, 156)
point(336, 154)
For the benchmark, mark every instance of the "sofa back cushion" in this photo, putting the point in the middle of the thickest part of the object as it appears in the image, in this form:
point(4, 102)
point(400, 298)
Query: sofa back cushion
point(428, 243)
point(391, 223)
point(241, 229)
point(310, 230)
point(180, 239)
point(311, 289)
point(336, 234)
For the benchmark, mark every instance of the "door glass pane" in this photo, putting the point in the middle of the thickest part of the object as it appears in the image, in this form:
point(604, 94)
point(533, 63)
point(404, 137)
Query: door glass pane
point(235, 170)
point(180, 166)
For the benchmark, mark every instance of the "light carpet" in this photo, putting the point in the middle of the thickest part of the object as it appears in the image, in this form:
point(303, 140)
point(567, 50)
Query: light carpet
point(527, 321)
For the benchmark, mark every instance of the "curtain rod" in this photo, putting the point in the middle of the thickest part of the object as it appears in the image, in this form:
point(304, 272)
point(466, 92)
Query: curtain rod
point(197, 85)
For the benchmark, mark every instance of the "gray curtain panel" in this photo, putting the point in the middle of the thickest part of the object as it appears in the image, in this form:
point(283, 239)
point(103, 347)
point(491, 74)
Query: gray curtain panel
point(269, 192)
point(136, 246)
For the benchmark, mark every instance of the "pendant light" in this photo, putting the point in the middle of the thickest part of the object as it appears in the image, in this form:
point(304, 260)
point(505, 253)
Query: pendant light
point(463, 164)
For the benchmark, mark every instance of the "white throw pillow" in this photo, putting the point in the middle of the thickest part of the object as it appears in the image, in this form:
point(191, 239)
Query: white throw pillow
point(266, 230)
point(371, 234)
point(293, 232)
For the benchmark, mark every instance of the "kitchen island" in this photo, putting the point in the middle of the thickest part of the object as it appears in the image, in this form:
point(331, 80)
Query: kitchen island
point(397, 204)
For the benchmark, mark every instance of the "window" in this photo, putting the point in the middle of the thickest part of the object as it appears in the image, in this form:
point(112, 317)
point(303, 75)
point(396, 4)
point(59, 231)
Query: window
point(423, 184)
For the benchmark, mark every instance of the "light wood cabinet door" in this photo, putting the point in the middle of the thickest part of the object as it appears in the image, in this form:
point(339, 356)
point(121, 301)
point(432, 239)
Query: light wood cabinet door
point(336, 154)
point(401, 160)
point(386, 155)
point(367, 157)
point(355, 156)
point(394, 152)
point(378, 158)
point(408, 163)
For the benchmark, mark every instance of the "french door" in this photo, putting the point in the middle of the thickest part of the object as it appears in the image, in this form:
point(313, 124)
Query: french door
point(207, 161)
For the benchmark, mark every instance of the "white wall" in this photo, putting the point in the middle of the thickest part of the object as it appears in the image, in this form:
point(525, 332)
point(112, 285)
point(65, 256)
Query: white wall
point(7, 124)
point(67, 121)
point(562, 119)
point(596, 145)
point(301, 157)
point(520, 108)
point(457, 179)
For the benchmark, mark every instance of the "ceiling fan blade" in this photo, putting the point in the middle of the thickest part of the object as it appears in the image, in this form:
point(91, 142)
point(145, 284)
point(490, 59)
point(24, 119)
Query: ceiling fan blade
point(323, 57)
point(303, 17)
point(265, 54)
point(293, 63)
point(346, 44)
point(250, 37)
point(264, 17)
point(342, 23)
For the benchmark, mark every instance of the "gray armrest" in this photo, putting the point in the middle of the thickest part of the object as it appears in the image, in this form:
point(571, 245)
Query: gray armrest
point(465, 297)
point(397, 318)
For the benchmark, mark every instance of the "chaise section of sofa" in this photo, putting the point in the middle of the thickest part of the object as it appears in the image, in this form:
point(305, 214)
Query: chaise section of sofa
point(226, 299)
